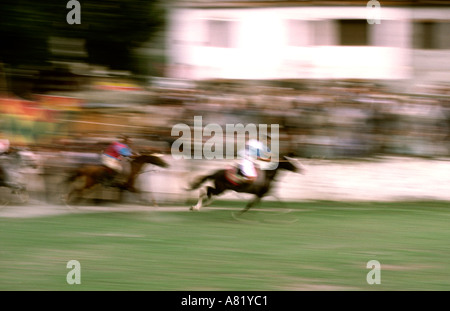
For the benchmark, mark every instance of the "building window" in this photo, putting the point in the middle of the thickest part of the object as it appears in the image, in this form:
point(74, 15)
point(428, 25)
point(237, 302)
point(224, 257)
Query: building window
point(431, 35)
point(296, 33)
point(322, 32)
point(302, 33)
point(219, 33)
point(353, 32)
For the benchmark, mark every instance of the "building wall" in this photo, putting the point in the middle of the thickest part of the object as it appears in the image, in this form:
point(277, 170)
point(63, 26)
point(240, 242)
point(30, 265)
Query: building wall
point(432, 63)
point(304, 42)
point(301, 42)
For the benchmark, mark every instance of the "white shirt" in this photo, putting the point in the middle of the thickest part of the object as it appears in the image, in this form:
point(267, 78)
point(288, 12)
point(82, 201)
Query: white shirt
point(255, 149)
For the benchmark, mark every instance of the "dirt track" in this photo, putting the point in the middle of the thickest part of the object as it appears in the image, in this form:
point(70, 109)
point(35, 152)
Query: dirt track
point(38, 210)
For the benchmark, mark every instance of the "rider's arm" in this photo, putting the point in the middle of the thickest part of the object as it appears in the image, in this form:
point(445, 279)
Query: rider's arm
point(125, 152)
point(264, 155)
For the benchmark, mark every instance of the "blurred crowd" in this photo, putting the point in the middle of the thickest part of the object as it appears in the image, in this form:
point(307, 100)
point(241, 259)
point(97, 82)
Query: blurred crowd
point(320, 119)
point(324, 120)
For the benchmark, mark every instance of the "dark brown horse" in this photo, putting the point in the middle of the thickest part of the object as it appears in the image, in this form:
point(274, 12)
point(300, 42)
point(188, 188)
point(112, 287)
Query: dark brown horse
point(86, 177)
point(259, 188)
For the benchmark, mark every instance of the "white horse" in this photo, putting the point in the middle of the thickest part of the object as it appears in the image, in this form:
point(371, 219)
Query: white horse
point(13, 165)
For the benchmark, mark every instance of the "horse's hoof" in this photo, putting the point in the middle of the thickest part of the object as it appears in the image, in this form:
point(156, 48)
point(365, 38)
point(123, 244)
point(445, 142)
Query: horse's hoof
point(194, 208)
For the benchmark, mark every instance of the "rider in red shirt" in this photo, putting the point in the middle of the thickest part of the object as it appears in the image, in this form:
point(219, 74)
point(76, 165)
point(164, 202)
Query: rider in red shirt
point(113, 155)
point(118, 150)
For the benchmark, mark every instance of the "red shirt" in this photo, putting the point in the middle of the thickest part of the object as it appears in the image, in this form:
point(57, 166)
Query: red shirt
point(117, 149)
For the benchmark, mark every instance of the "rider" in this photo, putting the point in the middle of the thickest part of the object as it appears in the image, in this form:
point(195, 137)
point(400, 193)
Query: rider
point(254, 151)
point(5, 175)
point(4, 146)
point(114, 154)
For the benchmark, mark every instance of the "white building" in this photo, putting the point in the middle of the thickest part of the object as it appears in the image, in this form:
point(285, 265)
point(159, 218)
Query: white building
point(245, 40)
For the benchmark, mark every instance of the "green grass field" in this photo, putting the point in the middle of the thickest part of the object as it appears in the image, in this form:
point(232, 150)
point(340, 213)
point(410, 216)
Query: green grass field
point(317, 246)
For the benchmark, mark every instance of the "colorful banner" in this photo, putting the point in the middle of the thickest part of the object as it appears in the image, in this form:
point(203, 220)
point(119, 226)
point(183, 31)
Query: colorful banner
point(32, 122)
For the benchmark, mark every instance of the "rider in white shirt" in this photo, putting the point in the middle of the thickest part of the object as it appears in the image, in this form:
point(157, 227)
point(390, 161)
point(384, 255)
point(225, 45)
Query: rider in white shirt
point(253, 152)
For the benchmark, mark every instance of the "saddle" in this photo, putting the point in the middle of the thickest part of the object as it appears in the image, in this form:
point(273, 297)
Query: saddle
point(236, 177)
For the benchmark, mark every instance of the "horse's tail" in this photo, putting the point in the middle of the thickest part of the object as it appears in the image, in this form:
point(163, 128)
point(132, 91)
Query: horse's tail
point(200, 180)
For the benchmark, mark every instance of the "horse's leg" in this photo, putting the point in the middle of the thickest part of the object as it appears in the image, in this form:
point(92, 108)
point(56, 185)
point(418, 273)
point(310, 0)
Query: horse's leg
point(152, 198)
point(144, 200)
point(74, 192)
point(213, 191)
point(120, 199)
point(88, 185)
point(74, 196)
point(140, 196)
point(199, 204)
point(17, 189)
point(208, 193)
point(250, 204)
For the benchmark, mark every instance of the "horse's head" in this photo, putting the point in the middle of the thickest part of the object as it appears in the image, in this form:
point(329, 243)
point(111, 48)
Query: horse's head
point(291, 164)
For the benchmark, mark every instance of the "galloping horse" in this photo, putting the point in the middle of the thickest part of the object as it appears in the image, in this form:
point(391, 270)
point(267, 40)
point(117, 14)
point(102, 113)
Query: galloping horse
point(10, 167)
point(99, 174)
point(222, 182)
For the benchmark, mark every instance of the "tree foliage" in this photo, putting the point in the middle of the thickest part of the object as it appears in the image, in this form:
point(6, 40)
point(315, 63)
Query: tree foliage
point(109, 28)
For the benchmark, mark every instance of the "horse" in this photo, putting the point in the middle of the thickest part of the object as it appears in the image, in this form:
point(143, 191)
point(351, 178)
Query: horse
point(259, 187)
point(98, 174)
point(11, 164)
